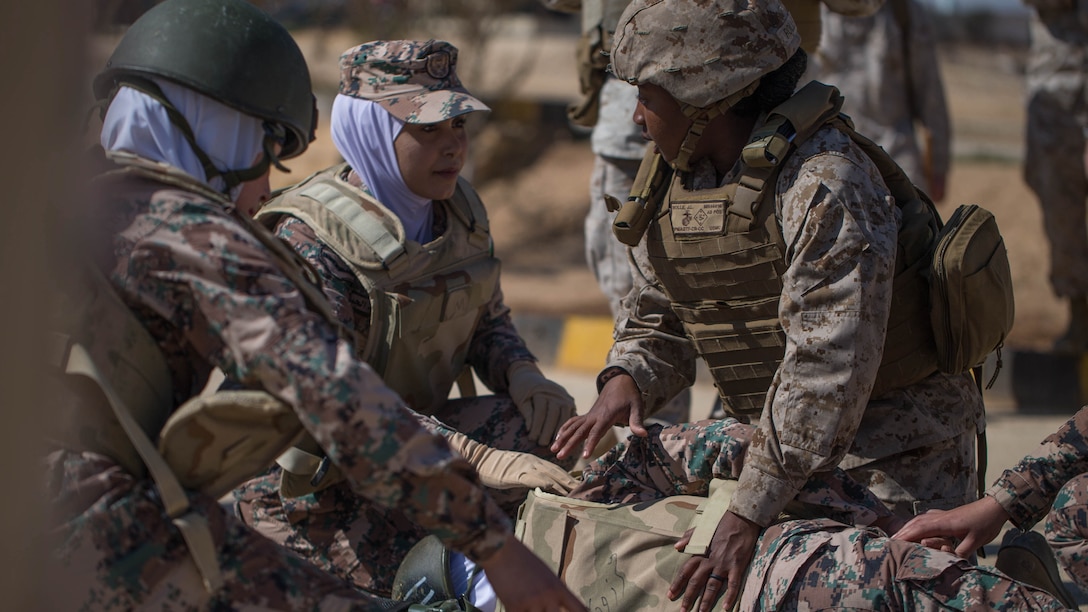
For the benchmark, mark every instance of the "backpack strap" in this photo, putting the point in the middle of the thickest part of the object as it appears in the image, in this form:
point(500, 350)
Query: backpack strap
point(76, 358)
point(788, 125)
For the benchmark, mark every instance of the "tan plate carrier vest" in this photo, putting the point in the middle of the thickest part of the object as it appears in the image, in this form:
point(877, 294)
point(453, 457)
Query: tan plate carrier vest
point(426, 300)
point(725, 286)
point(116, 397)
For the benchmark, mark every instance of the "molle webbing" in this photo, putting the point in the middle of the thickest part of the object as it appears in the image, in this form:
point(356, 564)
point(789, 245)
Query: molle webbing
point(725, 287)
point(725, 290)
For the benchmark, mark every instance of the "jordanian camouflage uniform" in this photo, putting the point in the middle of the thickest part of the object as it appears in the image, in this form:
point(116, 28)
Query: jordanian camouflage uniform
point(825, 565)
point(349, 535)
point(807, 564)
point(338, 530)
point(1057, 81)
point(890, 84)
point(813, 563)
point(1052, 481)
point(212, 296)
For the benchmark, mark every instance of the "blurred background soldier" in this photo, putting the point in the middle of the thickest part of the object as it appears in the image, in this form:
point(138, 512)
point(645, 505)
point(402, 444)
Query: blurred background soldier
point(1056, 156)
point(885, 65)
point(606, 106)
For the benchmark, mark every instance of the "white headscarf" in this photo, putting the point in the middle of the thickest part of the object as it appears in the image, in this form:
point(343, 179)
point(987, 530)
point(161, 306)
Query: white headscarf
point(139, 124)
point(364, 132)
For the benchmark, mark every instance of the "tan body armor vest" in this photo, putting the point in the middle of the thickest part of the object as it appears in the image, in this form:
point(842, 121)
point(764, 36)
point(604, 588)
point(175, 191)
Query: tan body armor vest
point(724, 283)
point(426, 300)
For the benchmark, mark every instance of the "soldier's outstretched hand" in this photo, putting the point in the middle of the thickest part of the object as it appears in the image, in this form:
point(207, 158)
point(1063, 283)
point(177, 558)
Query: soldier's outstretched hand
point(720, 573)
point(620, 403)
point(975, 525)
point(523, 583)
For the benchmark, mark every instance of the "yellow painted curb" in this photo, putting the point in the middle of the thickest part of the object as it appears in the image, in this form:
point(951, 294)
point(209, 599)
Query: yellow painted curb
point(584, 343)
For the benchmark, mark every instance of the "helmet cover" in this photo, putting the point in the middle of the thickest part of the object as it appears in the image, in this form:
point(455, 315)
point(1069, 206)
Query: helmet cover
point(702, 51)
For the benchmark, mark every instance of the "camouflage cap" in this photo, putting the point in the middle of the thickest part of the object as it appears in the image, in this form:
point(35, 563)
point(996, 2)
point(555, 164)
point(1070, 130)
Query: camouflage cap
point(416, 81)
point(702, 52)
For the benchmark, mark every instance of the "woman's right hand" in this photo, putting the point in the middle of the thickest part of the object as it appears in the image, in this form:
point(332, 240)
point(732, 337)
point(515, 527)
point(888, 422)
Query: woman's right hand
point(620, 403)
point(524, 584)
point(974, 525)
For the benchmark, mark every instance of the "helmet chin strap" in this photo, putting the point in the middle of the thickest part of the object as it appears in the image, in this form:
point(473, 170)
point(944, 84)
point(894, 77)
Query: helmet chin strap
point(700, 118)
point(273, 134)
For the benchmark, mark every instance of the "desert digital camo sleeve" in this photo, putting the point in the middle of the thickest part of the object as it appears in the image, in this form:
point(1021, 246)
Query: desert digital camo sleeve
point(839, 225)
point(1028, 490)
point(214, 297)
point(650, 343)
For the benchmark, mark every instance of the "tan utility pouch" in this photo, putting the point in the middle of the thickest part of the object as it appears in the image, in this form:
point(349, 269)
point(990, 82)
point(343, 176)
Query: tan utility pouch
point(970, 290)
point(214, 443)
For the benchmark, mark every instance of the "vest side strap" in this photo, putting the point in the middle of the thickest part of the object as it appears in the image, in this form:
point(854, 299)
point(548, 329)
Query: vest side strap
point(194, 528)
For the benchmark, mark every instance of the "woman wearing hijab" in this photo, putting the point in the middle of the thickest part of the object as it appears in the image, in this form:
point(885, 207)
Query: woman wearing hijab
point(203, 96)
point(403, 249)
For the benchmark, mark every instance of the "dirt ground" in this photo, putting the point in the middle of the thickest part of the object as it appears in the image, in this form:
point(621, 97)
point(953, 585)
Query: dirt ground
point(538, 207)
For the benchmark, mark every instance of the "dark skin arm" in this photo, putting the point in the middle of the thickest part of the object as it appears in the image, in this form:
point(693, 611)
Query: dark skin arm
point(730, 552)
point(620, 403)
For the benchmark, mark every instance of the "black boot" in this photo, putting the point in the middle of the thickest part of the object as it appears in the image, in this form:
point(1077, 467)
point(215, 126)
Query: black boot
point(1025, 556)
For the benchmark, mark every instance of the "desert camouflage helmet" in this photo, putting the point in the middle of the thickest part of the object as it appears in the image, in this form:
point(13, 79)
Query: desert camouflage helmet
point(703, 51)
point(228, 50)
point(415, 80)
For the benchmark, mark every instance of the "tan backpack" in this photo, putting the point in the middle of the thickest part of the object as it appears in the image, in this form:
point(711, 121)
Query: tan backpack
point(970, 289)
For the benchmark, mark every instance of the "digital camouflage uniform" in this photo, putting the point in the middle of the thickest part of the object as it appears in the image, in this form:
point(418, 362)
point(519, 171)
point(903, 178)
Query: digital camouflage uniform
point(346, 534)
point(834, 559)
point(914, 443)
point(819, 413)
point(825, 565)
point(1052, 482)
point(1057, 109)
point(890, 85)
point(618, 146)
point(617, 150)
point(212, 296)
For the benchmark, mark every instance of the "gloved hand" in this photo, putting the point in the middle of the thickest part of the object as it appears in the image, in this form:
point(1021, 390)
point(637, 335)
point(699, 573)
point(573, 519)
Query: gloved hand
point(545, 404)
point(501, 469)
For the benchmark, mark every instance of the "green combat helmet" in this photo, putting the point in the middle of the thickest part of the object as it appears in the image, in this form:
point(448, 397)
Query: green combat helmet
point(230, 51)
point(707, 55)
